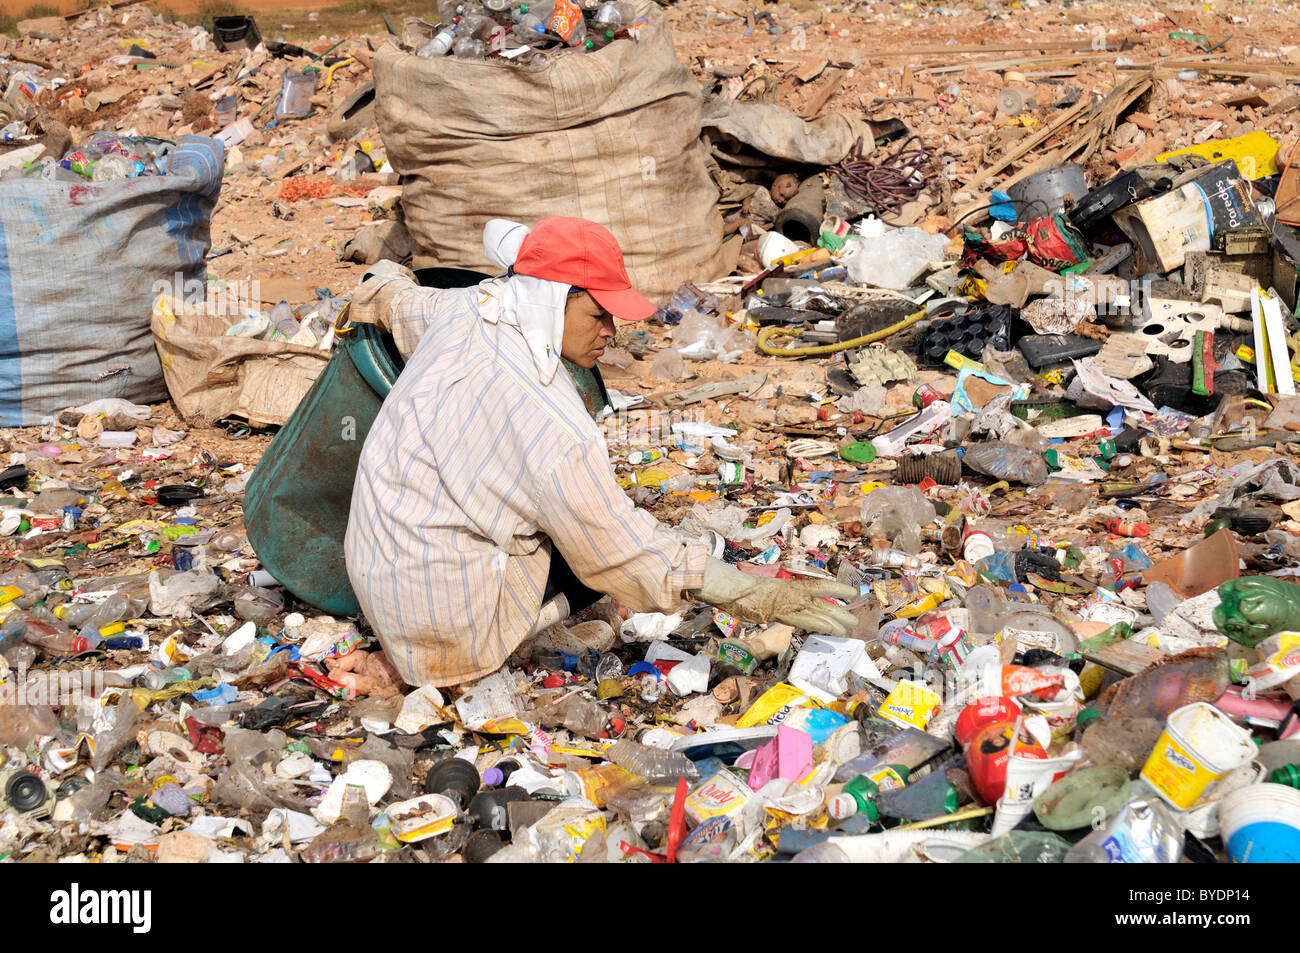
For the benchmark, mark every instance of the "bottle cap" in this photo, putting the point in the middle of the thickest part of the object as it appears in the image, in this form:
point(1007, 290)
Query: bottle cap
point(493, 777)
point(841, 806)
point(1087, 716)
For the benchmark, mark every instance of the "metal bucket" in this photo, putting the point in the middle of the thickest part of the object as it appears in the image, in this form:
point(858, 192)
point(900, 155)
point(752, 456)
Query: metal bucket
point(1048, 192)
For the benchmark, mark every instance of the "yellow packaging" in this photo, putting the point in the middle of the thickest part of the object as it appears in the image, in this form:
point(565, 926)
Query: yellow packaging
point(599, 781)
point(651, 479)
point(422, 817)
point(965, 573)
point(960, 362)
point(1255, 154)
point(574, 825)
point(910, 705)
point(922, 605)
point(771, 707)
point(1199, 745)
point(719, 796)
point(9, 594)
point(503, 726)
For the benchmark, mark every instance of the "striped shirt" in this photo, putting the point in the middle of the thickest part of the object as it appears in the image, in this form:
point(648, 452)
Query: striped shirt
point(471, 473)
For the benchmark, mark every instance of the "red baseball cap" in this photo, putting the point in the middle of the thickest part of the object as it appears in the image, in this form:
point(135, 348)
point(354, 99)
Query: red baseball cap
point(585, 255)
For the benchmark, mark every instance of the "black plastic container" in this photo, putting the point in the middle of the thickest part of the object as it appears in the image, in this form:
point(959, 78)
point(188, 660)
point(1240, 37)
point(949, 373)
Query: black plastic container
point(456, 778)
point(235, 33)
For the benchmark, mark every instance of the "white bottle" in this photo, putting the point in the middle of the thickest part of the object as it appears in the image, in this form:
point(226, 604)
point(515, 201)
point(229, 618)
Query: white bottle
point(440, 45)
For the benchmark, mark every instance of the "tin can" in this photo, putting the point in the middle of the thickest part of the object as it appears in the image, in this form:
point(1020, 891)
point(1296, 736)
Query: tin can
point(924, 396)
point(730, 472)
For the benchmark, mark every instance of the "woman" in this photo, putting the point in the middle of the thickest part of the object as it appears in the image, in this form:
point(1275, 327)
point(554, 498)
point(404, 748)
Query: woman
point(485, 507)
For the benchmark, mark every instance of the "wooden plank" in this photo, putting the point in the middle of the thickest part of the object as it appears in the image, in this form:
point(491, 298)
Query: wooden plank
point(1221, 68)
point(1028, 145)
point(207, 75)
point(1127, 658)
point(811, 70)
point(33, 60)
point(116, 5)
point(1004, 64)
point(940, 50)
point(827, 91)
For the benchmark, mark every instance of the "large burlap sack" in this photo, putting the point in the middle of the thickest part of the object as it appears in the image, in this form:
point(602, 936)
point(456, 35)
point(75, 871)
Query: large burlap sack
point(212, 376)
point(80, 267)
point(611, 136)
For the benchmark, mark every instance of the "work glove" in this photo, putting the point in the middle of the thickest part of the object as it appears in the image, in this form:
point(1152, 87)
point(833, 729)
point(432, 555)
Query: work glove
point(796, 602)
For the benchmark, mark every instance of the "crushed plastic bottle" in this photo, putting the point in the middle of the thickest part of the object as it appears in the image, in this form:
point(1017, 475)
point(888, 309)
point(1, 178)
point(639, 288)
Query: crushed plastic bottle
point(1006, 461)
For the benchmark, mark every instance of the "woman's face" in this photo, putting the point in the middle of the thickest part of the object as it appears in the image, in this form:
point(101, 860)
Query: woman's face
point(588, 328)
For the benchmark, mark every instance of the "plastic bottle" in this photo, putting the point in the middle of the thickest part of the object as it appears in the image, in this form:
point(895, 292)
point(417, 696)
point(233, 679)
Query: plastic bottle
point(579, 34)
point(614, 14)
point(653, 764)
point(50, 637)
point(468, 48)
point(1028, 438)
point(1255, 607)
point(899, 513)
point(859, 795)
point(897, 559)
point(1006, 461)
point(582, 716)
point(985, 608)
point(542, 9)
point(76, 614)
point(911, 641)
point(1288, 774)
point(529, 27)
point(282, 319)
point(102, 624)
point(157, 679)
point(475, 25)
point(113, 167)
point(440, 45)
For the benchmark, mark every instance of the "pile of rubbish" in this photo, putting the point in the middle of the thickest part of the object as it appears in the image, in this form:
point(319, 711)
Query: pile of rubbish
point(103, 158)
point(1043, 421)
point(520, 31)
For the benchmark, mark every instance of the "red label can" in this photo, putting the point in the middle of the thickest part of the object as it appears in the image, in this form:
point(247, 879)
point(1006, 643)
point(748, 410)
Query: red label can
point(925, 396)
